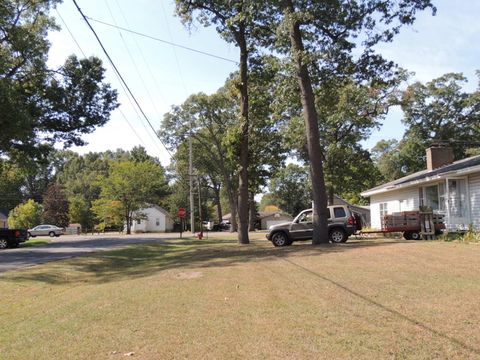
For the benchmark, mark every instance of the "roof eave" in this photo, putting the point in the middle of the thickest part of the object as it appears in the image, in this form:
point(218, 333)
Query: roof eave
point(427, 179)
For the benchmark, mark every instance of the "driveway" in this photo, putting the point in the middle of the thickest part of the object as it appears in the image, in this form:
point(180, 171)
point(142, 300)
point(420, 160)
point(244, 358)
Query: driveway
point(72, 245)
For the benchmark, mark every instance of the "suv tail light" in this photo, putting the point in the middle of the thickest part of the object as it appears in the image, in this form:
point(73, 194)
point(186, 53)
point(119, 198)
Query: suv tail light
point(351, 220)
point(17, 234)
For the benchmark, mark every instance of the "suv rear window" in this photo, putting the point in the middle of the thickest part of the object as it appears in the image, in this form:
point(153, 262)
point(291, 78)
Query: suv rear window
point(339, 212)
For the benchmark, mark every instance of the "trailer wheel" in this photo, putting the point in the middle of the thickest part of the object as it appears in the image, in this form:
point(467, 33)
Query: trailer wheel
point(407, 235)
point(415, 235)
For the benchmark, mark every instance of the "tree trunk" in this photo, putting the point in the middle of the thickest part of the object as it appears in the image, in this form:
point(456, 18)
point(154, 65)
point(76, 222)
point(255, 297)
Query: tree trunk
point(253, 212)
point(129, 221)
point(233, 213)
point(320, 225)
point(216, 191)
point(330, 196)
point(244, 125)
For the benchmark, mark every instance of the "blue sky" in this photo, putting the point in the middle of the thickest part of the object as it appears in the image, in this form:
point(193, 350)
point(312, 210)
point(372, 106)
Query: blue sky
point(161, 76)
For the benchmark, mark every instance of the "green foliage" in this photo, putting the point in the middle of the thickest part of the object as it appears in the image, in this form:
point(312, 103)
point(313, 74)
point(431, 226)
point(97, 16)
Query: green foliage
point(347, 113)
point(471, 235)
point(292, 188)
point(387, 160)
point(79, 212)
point(134, 185)
point(55, 206)
point(11, 181)
point(210, 119)
point(439, 111)
point(41, 106)
point(108, 213)
point(268, 199)
point(436, 112)
point(26, 215)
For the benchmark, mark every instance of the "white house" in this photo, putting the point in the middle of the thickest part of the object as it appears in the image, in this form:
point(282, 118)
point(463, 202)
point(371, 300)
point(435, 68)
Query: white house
point(157, 220)
point(449, 188)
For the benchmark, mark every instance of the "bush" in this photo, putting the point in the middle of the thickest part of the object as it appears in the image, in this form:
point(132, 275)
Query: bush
point(26, 215)
point(469, 236)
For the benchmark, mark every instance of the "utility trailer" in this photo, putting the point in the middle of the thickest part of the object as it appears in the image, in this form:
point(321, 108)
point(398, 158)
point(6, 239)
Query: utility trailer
point(414, 225)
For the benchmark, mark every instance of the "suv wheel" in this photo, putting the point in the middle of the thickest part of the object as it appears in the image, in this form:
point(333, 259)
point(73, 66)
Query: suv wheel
point(51, 233)
point(280, 239)
point(338, 236)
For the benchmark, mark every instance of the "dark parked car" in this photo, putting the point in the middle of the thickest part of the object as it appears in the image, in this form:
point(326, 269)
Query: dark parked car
point(342, 223)
point(12, 237)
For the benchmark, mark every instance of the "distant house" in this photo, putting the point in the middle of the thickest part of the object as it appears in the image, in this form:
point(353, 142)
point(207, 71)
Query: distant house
point(265, 219)
point(364, 211)
point(3, 220)
point(268, 219)
point(157, 220)
point(449, 188)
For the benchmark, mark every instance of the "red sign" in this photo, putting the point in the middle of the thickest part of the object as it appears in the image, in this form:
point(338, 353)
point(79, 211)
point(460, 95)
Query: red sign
point(181, 213)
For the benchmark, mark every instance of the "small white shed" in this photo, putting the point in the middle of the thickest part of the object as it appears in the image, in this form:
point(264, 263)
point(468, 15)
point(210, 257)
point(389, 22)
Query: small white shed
point(157, 220)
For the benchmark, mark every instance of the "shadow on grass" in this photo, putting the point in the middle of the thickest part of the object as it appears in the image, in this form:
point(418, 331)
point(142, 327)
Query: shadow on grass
point(143, 260)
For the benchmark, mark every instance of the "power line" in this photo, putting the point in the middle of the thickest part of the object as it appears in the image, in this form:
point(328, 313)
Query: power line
point(120, 75)
point(161, 40)
point(132, 58)
point(173, 49)
point(71, 34)
point(84, 55)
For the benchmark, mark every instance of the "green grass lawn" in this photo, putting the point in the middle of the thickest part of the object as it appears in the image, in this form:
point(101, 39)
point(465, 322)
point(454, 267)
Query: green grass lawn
point(34, 242)
point(214, 299)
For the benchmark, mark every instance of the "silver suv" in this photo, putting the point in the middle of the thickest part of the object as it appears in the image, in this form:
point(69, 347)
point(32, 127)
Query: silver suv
point(342, 223)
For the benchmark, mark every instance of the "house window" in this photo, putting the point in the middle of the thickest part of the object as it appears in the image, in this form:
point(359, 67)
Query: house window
point(431, 197)
point(442, 198)
point(157, 222)
point(139, 221)
point(383, 210)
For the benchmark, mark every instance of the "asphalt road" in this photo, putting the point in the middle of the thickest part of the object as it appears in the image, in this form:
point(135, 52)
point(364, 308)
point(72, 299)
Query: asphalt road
point(71, 245)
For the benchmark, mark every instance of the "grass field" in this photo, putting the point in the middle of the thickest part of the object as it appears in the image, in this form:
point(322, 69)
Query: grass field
point(214, 299)
point(34, 242)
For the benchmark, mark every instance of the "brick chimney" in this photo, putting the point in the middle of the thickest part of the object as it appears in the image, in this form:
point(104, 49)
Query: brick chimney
point(438, 156)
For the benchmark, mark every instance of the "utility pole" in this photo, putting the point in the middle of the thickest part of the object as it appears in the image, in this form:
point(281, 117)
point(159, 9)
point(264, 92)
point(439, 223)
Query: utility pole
point(190, 171)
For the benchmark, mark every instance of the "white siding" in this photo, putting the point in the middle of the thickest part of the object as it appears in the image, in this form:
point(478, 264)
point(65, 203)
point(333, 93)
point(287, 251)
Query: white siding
point(150, 224)
point(474, 190)
point(408, 198)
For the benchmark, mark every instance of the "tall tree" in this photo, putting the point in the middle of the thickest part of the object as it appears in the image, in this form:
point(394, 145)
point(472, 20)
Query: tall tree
point(237, 22)
point(321, 37)
point(347, 114)
point(41, 106)
point(55, 206)
point(440, 111)
point(134, 185)
point(209, 120)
